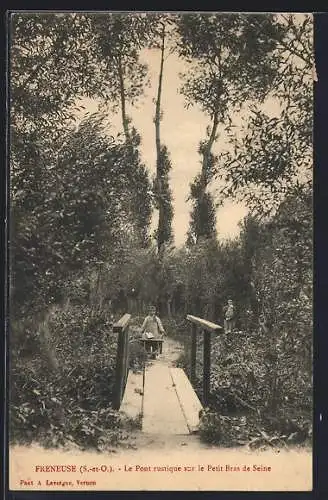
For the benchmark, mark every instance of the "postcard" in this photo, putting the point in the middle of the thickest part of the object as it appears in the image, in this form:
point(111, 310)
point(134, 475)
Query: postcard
point(160, 251)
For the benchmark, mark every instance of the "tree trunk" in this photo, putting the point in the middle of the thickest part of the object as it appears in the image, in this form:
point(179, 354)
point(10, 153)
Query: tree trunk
point(44, 332)
point(209, 145)
point(161, 214)
point(206, 157)
point(169, 312)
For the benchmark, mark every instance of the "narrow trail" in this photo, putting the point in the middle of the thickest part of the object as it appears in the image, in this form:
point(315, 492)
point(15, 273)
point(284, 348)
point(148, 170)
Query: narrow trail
point(171, 351)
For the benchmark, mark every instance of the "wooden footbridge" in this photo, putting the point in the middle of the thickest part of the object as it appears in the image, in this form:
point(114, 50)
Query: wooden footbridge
point(161, 395)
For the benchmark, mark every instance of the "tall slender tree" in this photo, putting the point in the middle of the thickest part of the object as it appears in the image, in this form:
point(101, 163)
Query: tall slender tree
point(119, 40)
point(222, 49)
point(162, 191)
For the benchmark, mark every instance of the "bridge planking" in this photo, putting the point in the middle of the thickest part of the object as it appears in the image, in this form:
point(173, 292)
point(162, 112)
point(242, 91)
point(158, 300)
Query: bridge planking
point(167, 401)
point(162, 413)
point(189, 402)
point(133, 395)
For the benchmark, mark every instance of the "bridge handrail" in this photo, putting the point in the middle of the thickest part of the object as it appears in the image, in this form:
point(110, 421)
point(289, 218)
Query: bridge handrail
point(121, 327)
point(208, 327)
point(204, 323)
point(122, 322)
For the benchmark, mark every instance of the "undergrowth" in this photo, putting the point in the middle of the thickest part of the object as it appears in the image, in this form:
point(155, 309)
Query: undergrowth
point(256, 398)
point(68, 401)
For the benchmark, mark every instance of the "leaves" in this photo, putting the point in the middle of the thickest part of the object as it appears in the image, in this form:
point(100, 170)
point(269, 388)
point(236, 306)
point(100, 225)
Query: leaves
point(270, 154)
point(75, 404)
point(66, 213)
point(224, 48)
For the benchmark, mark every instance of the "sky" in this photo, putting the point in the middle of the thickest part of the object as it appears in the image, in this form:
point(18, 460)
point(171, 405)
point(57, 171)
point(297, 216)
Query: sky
point(181, 131)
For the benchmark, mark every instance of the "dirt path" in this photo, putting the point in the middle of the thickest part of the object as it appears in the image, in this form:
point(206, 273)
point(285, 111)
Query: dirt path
point(171, 351)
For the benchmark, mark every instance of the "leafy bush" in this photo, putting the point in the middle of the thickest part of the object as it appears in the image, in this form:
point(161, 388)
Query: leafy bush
point(255, 430)
point(137, 355)
point(52, 418)
point(256, 387)
point(224, 430)
point(72, 403)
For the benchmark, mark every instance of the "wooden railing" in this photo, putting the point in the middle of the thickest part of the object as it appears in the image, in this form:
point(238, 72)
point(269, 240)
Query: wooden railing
point(121, 327)
point(207, 328)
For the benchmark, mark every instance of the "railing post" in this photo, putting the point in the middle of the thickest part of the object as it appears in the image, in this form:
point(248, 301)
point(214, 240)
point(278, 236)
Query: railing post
point(207, 327)
point(127, 355)
point(206, 366)
point(122, 359)
point(193, 353)
point(119, 369)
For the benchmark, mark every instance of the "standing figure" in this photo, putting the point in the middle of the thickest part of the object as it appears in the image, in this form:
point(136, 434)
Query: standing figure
point(229, 317)
point(152, 327)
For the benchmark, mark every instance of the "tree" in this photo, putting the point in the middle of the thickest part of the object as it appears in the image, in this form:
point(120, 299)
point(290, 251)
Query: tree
point(270, 156)
point(203, 214)
point(119, 39)
point(283, 282)
point(163, 200)
point(90, 196)
point(52, 64)
point(251, 245)
point(162, 191)
point(223, 49)
point(56, 214)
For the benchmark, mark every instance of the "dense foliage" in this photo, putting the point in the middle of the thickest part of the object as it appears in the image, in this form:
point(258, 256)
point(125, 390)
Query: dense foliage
point(71, 402)
point(270, 155)
point(261, 372)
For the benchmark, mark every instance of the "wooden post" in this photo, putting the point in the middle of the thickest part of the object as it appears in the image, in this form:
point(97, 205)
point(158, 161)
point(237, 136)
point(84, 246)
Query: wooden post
point(206, 366)
point(193, 353)
point(122, 359)
point(207, 327)
point(119, 370)
point(126, 360)
point(127, 355)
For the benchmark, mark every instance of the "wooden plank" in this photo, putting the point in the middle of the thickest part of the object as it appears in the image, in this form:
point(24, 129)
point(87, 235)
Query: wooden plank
point(122, 359)
point(206, 325)
point(193, 353)
point(191, 406)
point(119, 369)
point(132, 399)
point(206, 366)
point(122, 323)
point(162, 413)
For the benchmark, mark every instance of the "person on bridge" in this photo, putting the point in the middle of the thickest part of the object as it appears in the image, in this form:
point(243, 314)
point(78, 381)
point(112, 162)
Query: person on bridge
point(152, 327)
